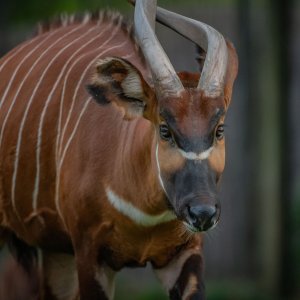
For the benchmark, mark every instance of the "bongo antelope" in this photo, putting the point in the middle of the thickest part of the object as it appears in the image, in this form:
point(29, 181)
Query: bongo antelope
point(108, 157)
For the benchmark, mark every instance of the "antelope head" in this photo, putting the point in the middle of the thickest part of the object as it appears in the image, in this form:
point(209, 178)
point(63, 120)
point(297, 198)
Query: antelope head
point(187, 111)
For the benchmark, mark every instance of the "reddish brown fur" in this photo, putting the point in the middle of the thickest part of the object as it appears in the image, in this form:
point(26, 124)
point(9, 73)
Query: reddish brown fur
point(88, 224)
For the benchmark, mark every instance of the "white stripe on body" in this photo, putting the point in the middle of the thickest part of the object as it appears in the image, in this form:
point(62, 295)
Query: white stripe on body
point(61, 153)
point(18, 68)
point(81, 79)
point(40, 128)
point(58, 138)
point(128, 55)
point(10, 57)
point(196, 156)
point(88, 101)
point(136, 215)
point(20, 86)
point(20, 133)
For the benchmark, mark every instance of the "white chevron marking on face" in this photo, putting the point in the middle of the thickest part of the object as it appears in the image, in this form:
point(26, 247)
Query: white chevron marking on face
point(194, 156)
point(136, 215)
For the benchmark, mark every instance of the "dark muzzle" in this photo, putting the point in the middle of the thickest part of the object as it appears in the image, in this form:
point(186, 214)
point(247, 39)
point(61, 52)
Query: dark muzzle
point(202, 217)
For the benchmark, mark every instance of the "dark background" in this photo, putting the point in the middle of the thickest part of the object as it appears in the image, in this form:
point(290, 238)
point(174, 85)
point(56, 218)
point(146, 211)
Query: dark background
point(254, 253)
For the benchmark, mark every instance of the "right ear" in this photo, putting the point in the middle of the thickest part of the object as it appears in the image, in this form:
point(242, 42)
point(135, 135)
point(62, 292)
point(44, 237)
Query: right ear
point(117, 81)
point(231, 74)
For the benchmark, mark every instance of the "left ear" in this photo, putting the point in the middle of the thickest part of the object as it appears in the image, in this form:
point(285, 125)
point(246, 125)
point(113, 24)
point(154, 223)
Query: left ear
point(117, 81)
point(231, 74)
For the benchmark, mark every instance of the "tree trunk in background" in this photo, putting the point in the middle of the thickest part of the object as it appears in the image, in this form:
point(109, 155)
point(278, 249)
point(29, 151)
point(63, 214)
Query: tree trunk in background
point(246, 77)
point(274, 166)
point(282, 20)
point(268, 172)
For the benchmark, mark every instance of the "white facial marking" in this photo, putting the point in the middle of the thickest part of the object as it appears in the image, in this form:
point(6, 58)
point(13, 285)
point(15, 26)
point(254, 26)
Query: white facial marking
point(194, 156)
point(136, 215)
point(158, 169)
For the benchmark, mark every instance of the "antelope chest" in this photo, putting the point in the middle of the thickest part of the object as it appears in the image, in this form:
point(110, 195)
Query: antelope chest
point(136, 246)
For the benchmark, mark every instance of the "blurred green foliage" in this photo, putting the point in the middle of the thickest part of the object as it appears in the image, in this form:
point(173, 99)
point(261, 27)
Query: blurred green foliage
point(35, 10)
point(231, 290)
point(235, 290)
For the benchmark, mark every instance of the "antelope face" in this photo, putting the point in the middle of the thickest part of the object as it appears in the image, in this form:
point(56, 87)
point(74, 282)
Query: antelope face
point(187, 112)
point(190, 156)
point(190, 151)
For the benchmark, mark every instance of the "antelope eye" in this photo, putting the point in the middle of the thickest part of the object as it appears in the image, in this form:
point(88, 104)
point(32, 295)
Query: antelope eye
point(220, 132)
point(165, 132)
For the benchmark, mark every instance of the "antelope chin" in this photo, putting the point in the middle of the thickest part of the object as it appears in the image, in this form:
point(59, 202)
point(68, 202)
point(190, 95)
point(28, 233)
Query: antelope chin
point(191, 228)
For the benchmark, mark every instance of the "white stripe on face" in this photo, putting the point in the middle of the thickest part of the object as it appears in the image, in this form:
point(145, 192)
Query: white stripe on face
point(135, 214)
point(158, 169)
point(196, 156)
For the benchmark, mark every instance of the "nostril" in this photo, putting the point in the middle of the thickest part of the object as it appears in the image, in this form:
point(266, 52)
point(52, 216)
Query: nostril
point(203, 217)
point(202, 211)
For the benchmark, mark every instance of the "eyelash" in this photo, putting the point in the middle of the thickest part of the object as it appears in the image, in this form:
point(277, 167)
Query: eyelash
point(165, 132)
point(219, 134)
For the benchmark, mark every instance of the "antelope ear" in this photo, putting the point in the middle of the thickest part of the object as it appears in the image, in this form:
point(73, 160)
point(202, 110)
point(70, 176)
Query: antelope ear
point(117, 81)
point(231, 74)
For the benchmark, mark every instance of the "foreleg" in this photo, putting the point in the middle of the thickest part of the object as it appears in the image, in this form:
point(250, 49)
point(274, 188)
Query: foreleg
point(24, 270)
point(183, 277)
point(96, 279)
point(60, 280)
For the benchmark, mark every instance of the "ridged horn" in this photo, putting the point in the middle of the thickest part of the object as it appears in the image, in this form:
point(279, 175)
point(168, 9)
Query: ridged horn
point(213, 74)
point(166, 81)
